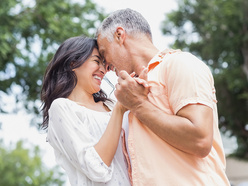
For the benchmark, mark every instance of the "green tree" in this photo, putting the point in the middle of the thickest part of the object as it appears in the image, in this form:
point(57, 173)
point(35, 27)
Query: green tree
point(30, 32)
point(22, 167)
point(217, 32)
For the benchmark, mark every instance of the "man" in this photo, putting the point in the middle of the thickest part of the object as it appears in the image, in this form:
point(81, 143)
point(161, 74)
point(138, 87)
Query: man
point(173, 124)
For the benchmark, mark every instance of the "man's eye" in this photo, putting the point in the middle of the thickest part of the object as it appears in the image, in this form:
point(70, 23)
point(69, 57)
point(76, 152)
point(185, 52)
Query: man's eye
point(104, 62)
point(102, 55)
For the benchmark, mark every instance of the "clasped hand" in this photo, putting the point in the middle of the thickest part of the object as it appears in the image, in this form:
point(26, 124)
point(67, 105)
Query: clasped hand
point(131, 91)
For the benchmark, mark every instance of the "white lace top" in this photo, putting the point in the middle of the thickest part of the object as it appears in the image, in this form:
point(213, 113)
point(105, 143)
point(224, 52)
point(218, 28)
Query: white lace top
point(73, 130)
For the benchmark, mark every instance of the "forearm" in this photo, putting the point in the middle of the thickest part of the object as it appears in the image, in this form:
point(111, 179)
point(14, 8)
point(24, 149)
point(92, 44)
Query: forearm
point(178, 131)
point(108, 143)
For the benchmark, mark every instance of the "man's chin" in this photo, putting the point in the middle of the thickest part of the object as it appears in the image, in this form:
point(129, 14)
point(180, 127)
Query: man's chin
point(117, 73)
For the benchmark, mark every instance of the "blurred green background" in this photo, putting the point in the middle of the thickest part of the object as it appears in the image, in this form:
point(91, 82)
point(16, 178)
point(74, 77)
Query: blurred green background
point(31, 30)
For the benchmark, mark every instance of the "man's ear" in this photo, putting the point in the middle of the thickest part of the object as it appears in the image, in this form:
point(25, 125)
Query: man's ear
point(120, 35)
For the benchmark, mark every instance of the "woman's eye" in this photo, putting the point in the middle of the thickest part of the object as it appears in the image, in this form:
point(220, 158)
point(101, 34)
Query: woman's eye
point(98, 62)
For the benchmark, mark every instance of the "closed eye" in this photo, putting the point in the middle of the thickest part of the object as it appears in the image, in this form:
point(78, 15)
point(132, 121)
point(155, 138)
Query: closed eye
point(101, 54)
point(104, 63)
point(98, 62)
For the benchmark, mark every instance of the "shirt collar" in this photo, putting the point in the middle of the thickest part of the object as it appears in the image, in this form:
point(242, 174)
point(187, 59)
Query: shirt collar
point(158, 58)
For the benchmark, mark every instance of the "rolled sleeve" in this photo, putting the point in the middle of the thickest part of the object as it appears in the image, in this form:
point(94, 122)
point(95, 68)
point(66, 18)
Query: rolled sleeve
point(96, 167)
point(189, 81)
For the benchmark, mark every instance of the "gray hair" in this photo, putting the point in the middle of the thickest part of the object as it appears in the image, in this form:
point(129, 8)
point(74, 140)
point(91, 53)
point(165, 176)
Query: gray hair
point(132, 21)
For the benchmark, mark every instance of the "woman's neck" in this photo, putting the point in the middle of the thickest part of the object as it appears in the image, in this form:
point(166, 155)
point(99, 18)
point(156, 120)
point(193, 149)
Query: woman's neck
point(87, 100)
point(79, 95)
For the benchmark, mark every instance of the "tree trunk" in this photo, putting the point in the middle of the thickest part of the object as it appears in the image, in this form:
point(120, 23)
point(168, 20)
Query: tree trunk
point(245, 66)
point(245, 32)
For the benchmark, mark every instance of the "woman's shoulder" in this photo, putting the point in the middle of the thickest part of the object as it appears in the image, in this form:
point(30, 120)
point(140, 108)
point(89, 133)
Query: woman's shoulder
point(60, 102)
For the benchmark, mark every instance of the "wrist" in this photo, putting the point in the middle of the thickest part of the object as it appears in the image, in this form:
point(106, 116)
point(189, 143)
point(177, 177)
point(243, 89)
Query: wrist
point(140, 107)
point(120, 108)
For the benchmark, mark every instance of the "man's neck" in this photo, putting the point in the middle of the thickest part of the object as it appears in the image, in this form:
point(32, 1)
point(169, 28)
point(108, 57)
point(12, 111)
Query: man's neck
point(142, 56)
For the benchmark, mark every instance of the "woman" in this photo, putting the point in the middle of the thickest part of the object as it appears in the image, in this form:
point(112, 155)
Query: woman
point(82, 129)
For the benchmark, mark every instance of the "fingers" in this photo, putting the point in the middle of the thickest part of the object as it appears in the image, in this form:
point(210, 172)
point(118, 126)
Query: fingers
point(142, 79)
point(143, 74)
point(142, 82)
point(130, 89)
point(132, 74)
point(123, 74)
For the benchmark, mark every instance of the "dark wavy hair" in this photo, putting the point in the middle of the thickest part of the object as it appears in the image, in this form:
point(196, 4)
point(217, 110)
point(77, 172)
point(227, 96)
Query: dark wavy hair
point(59, 79)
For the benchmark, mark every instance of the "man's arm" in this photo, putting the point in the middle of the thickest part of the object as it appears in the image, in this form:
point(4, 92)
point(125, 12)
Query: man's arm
point(190, 130)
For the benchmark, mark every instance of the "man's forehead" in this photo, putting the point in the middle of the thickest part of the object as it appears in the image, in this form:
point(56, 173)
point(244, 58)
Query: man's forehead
point(101, 45)
point(100, 42)
point(101, 51)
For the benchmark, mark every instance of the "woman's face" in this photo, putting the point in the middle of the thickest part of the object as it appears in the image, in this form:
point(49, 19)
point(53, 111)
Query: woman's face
point(90, 73)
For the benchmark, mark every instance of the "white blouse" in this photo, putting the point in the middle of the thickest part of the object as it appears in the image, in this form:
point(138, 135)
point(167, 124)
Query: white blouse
point(73, 130)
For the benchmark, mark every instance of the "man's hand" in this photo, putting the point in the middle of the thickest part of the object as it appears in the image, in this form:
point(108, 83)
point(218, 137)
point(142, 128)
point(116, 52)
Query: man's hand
point(142, 79)
point(131, 91)
point(191, 130)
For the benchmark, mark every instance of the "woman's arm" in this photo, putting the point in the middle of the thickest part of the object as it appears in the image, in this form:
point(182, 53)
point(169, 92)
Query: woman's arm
point(69, 135)
point(108, 143)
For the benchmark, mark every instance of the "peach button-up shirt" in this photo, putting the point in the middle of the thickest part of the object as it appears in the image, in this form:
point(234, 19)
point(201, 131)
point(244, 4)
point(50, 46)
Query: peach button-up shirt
point(177, 79)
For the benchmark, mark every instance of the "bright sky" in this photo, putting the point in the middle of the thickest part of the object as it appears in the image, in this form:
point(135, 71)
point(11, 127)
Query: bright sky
point(16, 126)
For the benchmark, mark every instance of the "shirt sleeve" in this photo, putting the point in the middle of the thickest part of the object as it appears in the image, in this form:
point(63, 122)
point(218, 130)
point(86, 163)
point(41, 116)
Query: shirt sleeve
point(69, 135)
point(188, 81)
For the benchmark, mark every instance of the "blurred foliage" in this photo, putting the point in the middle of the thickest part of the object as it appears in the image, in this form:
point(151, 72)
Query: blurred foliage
point(217, 32)
point(23, 166)
point(30, 32)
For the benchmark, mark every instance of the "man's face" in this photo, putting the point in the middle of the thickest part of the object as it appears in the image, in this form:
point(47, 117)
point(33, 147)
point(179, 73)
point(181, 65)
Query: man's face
point(114, 54)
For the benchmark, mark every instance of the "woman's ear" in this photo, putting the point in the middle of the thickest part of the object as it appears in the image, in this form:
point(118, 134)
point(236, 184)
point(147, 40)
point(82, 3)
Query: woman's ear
point(72, 66)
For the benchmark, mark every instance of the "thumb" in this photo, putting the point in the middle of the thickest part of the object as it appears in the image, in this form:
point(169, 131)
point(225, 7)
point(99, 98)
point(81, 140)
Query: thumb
point(143, 74)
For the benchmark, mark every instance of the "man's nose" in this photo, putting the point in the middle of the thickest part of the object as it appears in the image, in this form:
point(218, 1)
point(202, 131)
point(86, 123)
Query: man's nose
point(107, 67)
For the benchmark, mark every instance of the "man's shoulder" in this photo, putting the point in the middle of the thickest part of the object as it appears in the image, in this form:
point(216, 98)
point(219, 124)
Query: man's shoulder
point(181, 59)
point(179, 56)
